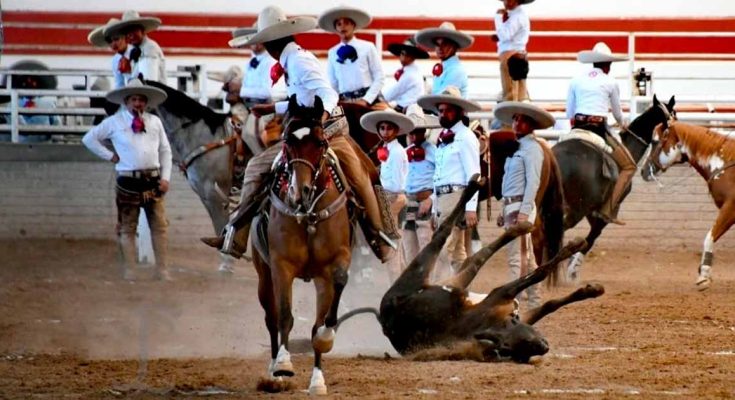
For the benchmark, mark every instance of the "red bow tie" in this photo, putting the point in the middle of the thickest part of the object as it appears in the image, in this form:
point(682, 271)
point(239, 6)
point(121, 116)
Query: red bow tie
point(383, 153)
point(398, 74)
point(276, 73)
point(124, 66)
point(416, 153)
point(446, 137)
point(138, 125)
point(438, 69)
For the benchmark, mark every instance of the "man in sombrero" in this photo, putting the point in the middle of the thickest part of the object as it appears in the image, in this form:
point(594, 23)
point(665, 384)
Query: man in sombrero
point(457, 160)
point(512, 27)
point(409, 84)
point(446, 40)
point(521, 181)
point(257, 86)
point(306, 80)
point(118, 43)
point(142, 158)
point(354, 68)
point(144, 53)
point(591, 96)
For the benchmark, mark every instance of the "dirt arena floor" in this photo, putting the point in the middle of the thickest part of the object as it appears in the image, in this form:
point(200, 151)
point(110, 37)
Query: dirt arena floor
point(71, 328)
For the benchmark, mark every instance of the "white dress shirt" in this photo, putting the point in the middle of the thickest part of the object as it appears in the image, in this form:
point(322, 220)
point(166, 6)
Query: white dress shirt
point(305, 78)
point(365, 72)
point(394, 170)
point(456, 162)
point(120, 79)
point(409, 87)
point(257, 82)
point(151, 63)
point(594, 93)
point(137, 151)
point(513, 33)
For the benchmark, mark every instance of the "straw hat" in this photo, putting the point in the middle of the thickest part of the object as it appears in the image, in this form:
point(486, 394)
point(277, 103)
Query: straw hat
point(273, 24)
point(329, 17)
point(370, 121)
point(450, 95)
point(154, 95)
point(420, 119)
point(242, 34)
point(410, 47)
point(129, 18)
point(231, 73)
point(97, 36)
point(507, 109)
point(426, 37)
point(599, 53)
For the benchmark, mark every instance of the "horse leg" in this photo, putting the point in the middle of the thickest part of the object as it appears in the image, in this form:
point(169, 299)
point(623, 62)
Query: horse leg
point(329, 293)
point(587, 292)
point(268, 302)
point(725, 219)
point(575, 263)
point(282, 289)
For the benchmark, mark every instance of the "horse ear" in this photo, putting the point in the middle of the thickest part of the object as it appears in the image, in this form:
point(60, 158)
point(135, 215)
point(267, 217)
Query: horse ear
point(318, 107)
point(672, 101)
point(655, 99)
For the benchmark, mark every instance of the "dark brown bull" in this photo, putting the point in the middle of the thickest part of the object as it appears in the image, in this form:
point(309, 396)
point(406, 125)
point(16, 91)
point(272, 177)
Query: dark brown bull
point(417, 316)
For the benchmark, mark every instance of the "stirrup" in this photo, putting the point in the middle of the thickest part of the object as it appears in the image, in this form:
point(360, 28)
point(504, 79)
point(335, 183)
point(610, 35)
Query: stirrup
point(227, 246)
point(390, 242)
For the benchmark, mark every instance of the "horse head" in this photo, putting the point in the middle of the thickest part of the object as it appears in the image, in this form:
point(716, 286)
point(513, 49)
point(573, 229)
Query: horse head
point(304, 150)
point(515, 340)
point(662, 115)
point(667, 151)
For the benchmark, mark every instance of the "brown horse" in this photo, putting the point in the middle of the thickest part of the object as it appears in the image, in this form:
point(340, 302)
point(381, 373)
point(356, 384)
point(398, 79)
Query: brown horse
point(712, 154)
point(309, 236)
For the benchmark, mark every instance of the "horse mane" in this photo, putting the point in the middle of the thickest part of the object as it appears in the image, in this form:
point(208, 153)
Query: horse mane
point(181, 105)
point(702, 142)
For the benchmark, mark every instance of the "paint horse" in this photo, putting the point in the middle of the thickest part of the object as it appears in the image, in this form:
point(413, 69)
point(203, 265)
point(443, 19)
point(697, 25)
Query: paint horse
point(712, 154)
point(308, 236)
point(441, 321)
point(208, 146)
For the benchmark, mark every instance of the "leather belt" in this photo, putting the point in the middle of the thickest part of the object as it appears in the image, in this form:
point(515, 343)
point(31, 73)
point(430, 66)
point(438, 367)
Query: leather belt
point(138, 174)
point(512, 199)
point(446, 189)
point(589, 119)
point(355, 94)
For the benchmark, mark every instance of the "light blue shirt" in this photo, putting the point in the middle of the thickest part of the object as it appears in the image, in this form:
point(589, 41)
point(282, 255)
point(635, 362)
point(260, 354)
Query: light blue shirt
point(365, 72)
point(408, 89)
point(394, 170)
point(523, 173)
point(453, 74)
point(456, 162)
point(513, 33)
point(421, 173)
point(306, 79)
point(120, 79)
point(257, 84)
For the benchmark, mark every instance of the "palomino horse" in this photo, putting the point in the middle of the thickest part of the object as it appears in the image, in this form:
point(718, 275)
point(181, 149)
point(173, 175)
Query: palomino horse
point(712, 154)
point(206, 144)
point(587, 179)
point(441, 321)
point(309, 236)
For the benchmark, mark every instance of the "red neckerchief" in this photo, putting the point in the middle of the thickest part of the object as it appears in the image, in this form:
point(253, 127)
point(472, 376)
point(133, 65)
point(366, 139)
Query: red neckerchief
point(446, 137)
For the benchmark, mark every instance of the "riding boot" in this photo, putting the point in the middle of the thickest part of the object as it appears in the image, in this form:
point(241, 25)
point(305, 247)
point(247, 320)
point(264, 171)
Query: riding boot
point(627, 170)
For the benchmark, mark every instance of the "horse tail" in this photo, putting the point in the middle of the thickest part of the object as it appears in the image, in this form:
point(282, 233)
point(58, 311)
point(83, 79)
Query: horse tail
point(552, 217)
point(357, 311)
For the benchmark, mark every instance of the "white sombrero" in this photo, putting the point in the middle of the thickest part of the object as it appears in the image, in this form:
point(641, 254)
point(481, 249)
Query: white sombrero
point(360, 17)
point(154, 95)
point(131, 17)
point(421, 120)
point(225, 76)
point(97, 36)
point(599, 53)
point(370, 121)
point(243, 34)
point(450, 95)
point(426, 37)
point(507, 109)
point(273, 24)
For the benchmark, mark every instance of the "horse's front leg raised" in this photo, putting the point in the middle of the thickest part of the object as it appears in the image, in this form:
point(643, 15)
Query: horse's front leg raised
point(725, 220)
point(283, 277)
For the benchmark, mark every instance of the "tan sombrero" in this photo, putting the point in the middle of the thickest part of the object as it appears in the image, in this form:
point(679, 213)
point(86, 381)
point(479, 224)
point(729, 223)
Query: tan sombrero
point(507, 109)
point(370, 121)
point(154, 95)
point(450, 95)
point(242, 34)
point(225, 76)
point(409, 46)
point(420, 119)
point(129, 18)
point(97, 36)
point(426, 37)
point(273, 24)
point(328, 18)
point(599, 53)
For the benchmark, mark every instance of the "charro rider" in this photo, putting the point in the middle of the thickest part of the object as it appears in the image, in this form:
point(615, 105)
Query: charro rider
point(512, 27)
point(145, 55)
point(118, 43)
point(306, 80)
point(590, 96)
point(353, 65)
point(521, 182)
point(409, 80)
point(446, 40)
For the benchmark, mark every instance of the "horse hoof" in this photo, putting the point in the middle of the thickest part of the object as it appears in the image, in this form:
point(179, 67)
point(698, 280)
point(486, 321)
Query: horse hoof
point(282, 366)
point(703, 283)
point(318, 390)
point(323, 340)
point(317, 386)
point(226, 269)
